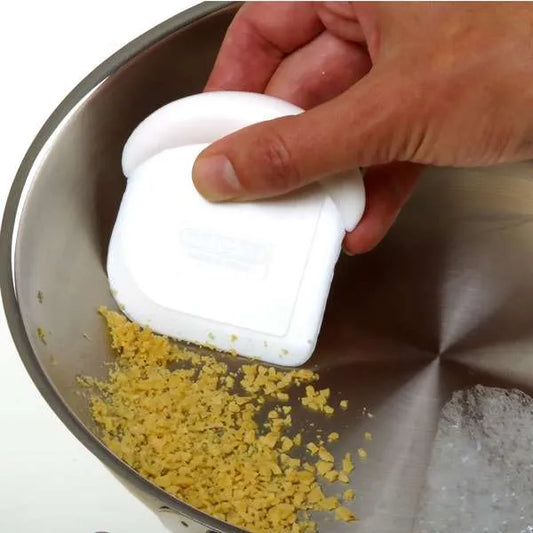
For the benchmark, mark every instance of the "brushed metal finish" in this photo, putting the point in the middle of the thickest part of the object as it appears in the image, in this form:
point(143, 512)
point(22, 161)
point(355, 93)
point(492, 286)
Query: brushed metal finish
point(444, 303)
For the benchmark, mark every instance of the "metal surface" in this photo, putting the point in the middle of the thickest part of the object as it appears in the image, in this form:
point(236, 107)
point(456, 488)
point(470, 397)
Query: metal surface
point(445, 302)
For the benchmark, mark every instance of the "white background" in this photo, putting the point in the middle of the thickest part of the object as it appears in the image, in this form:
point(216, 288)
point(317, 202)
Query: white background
point(48, 481)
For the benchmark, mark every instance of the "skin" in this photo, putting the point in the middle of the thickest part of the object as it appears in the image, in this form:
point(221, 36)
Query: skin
point(388, 87)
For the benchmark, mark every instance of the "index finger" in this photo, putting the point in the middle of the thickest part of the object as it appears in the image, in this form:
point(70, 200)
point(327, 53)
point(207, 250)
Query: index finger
point(258, 39)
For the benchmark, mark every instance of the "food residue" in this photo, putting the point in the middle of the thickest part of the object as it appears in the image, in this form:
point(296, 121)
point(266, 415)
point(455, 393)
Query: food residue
point(41, 333)
point(317, 400)
point(216, 439)
point(348, 495)
point(332, 437)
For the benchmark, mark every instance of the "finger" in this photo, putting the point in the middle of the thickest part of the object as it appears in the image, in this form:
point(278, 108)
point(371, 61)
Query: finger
point(258, 39)
point(344, 19)
point(319, 71)
point(387, 189)
point(365, 126)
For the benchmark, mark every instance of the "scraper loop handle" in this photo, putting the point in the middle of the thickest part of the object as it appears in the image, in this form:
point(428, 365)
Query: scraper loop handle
point(207, 117)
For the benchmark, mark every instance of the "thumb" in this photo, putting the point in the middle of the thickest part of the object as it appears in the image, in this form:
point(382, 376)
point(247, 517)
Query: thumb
point(366, 125)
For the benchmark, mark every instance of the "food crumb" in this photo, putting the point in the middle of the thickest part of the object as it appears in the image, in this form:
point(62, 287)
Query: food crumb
point(325, 455)
point(286, 444)
point(189, 425)
point(343, 404)
point(343, 477)
point(41, 333)
point(322, 467)
point(332, 437)
point(317, 400)
point(331, 476)
point(347, 464)
point(344, 514)
point(348, 495)
point(40, 297)
point(368, 435)
point(312, 447)
point(361, 452)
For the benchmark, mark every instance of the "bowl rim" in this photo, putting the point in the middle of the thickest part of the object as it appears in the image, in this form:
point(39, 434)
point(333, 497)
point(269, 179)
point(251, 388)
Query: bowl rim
point(8, 238)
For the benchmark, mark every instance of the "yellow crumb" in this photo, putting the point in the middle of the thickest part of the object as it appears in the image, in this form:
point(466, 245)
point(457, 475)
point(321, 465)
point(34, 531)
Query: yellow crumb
point(368, 435)
point(41, 333)
point(286, 444)
point(312, 447)
point(343, 404)
point(308, 467)
point(343, 477)
point(317, 400)
point(323, 466)
point(332, 437)
point(325, 455)
point(347, 464)
point(192, 427)
point(349, 495)
point(344, 514)
point(329, 504)
point(331, 476)
point(361, 452)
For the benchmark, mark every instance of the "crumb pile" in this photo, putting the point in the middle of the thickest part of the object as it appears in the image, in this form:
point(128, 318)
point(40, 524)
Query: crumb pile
point(219, 440)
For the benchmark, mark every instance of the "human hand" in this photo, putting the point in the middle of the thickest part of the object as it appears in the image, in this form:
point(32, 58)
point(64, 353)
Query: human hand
point(388, 87)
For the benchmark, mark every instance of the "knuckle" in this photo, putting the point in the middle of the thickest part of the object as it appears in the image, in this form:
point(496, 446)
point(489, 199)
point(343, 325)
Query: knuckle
point(281, 171)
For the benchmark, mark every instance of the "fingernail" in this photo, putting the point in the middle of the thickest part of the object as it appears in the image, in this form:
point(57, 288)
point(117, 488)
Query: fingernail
point(347, 252)
point(215, 179)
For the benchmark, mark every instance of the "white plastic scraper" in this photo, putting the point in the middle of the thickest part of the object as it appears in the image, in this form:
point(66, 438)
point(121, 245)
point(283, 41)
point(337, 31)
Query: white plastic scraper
point(251, 278)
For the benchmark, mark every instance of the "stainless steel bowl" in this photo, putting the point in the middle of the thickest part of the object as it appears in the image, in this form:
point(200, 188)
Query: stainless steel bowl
point(445, 302)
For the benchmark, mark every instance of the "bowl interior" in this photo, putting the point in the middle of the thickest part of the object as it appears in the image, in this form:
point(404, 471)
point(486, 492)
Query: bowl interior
point(445, 302)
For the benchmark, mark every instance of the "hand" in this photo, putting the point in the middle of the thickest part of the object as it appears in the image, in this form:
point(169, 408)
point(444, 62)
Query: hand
point(389, 87)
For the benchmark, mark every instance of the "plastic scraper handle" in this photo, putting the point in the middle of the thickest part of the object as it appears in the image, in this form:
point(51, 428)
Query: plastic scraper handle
point(206, 117)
